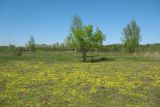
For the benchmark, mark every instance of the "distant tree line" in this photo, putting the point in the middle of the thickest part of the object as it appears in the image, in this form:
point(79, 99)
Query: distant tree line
point(155, 47)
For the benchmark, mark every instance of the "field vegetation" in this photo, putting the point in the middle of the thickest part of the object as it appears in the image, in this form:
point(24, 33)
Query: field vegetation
point(60, 79)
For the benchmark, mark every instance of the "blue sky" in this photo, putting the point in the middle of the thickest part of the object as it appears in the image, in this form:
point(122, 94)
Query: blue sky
point(49, 20)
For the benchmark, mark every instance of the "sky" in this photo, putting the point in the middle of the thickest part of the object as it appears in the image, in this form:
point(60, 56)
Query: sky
point(49, 20)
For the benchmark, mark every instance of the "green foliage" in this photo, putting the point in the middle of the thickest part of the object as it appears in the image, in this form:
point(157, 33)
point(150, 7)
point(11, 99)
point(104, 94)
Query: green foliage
point(83, 38)
point(3, 48)
point(54, 47)
point(71, 40)
point(145, 48)
point(18, 51)
point(12, 47)
point(112, 48)
point(31, 44)
point(131, 36)
point(151, 48)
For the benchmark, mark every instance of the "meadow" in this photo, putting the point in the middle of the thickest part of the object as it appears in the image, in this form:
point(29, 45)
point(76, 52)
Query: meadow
point(61, 79)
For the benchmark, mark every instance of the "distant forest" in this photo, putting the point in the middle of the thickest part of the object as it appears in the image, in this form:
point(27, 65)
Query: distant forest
point(106, 48)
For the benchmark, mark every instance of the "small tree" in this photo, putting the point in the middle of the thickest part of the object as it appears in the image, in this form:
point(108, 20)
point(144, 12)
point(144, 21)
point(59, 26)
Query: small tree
point(131, 37)
point(18, 51)
point(31, 44)
point(82, 37)
point(12, 47)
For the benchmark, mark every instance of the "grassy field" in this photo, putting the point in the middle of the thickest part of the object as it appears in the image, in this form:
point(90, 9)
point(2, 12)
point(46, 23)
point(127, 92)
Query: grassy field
point(60, 79)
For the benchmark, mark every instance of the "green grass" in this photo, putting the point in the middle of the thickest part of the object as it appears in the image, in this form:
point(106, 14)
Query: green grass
point(60, 79)
point(48, 57)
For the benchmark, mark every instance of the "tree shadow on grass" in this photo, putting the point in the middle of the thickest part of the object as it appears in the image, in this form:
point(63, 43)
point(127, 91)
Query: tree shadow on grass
point(102, 59)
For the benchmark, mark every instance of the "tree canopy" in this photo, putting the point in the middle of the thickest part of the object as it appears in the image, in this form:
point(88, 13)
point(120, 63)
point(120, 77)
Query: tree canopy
point(131, 36)
point(31, 44)
point(83, 38)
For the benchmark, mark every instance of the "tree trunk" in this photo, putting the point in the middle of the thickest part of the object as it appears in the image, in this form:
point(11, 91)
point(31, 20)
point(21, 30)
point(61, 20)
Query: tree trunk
point(84, 59)
point(75, 50)
point(84, 56)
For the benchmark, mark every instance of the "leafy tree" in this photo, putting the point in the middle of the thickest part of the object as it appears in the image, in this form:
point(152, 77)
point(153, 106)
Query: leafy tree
point(31, 44)
point(83, 38)
point(131, 36)
point(12, 48)
point(76, 25)
point(18, 51)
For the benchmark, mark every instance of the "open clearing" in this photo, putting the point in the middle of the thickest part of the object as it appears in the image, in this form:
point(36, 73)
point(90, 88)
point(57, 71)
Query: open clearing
point(32, 81)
